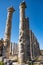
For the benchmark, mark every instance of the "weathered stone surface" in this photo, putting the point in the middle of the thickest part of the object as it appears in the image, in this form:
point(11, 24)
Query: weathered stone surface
point(1, 58)
point(28, 47)
point(15, 63)
point(1, 47)
point(34, 46)
point(8, 31)
point(23, 44)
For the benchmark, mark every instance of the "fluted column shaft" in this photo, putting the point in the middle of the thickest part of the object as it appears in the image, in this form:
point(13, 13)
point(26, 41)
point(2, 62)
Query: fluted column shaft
point(7, 35)
point(20, 43)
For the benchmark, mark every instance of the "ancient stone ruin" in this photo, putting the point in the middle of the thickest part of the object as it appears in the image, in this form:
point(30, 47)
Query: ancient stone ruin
point(28, 46)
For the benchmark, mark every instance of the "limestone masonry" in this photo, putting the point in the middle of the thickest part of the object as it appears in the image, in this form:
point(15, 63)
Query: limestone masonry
point(27, 48)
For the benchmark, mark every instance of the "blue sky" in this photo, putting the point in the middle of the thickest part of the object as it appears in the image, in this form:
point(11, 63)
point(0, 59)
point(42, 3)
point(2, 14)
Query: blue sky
point(34, 11)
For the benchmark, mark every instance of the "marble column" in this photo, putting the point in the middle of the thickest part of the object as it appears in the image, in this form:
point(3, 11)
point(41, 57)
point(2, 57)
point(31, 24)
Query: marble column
point(21, 33)
point(31, 44)
point(7, 35)
point(23, 44)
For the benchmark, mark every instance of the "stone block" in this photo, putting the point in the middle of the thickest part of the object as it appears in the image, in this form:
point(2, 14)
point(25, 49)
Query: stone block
point(1, 58)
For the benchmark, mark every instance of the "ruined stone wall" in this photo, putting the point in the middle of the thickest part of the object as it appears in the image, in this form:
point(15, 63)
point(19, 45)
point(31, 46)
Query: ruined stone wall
point(34, 46)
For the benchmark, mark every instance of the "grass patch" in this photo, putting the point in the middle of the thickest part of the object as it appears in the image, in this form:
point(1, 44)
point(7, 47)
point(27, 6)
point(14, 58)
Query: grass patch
point(1, 63)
